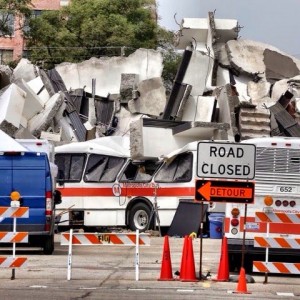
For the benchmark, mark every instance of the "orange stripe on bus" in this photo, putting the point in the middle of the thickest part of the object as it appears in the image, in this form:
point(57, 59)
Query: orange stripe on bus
point(129, 191)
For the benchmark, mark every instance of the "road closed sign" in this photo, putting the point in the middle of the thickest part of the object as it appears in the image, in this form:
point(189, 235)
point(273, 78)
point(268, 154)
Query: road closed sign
point(226, 160)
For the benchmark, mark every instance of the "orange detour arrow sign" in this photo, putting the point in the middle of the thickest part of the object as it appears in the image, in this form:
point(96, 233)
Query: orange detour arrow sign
point(224, 191)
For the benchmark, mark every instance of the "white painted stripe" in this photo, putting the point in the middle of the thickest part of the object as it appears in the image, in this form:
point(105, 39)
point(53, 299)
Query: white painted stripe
point(285, 294)
point(185, 291)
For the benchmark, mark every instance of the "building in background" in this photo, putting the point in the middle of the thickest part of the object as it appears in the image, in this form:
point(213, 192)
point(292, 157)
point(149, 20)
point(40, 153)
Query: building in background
point(13, 47)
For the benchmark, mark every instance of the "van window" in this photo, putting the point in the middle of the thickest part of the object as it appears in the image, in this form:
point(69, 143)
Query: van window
point(141, 172)
point(178, 169)
point(102, 168)
point(70, 166)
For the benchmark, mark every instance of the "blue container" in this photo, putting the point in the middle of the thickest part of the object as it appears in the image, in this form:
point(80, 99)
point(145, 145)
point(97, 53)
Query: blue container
point(216, 225)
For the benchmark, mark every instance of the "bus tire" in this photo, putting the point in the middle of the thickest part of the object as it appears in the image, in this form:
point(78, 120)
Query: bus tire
point(48, 246)
point(139, 217)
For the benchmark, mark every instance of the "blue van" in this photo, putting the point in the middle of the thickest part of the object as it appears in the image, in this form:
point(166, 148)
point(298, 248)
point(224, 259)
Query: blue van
point(28, 173)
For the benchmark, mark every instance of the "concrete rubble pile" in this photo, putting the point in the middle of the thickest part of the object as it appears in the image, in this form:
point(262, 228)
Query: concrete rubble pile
point(225, 88)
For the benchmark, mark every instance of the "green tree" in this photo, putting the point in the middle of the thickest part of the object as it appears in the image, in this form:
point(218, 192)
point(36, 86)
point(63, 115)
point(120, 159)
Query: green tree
point(9, 9)
point(87, 28)
point(171, 57)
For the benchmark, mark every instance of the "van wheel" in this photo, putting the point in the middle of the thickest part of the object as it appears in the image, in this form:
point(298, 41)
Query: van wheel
point(139, 217)
point(49, 245)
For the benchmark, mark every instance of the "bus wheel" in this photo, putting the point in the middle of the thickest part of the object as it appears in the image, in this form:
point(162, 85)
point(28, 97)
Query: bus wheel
point(139, 217)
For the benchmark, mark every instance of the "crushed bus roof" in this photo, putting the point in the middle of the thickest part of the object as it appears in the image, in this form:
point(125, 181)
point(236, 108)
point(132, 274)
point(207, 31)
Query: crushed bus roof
point(112, 145)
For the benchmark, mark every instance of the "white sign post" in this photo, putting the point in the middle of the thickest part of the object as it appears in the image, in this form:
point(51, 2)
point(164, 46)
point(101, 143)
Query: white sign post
point(226, 160)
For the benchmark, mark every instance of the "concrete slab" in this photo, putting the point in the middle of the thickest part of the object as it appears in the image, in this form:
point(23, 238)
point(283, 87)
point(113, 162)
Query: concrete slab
point(12, 102)
point(279, 66)
point(38, 87)
point(42, 121)
point(246, 56)
point(258, 90)
point(152, 98)
point(33, 104)
point(197, 73)
point(199, 109)
point(145, 62)
point(25, 70)
point(281, 86)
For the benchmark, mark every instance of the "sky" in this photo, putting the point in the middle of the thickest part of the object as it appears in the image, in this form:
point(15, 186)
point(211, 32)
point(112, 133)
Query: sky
point(273, 22)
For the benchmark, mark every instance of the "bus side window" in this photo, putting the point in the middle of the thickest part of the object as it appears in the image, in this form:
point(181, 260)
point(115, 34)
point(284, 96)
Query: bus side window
point(70, 166)
point(112, 169)
point(177, 170)
point(129, 173)
point(184, 169)
point(102, 168)
point(77, 165)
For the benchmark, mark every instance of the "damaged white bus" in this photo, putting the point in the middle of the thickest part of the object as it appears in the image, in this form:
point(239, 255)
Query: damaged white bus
point(102, 186)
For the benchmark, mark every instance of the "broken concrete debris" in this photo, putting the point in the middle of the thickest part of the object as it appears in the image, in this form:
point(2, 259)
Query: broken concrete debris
point(225, 88)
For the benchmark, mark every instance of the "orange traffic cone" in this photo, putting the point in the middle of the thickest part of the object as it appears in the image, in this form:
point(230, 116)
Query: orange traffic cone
point(242, 284)
point(223, 271)
point(183, 258)
point(189, 273)
point(166, 265)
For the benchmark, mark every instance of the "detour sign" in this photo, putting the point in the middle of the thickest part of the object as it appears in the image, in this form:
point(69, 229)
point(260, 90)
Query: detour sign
point(224, 191)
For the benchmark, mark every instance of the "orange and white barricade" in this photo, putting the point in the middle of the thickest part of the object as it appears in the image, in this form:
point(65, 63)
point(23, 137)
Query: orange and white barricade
point(105, 239)
point(276, 242)
point(13, 237)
